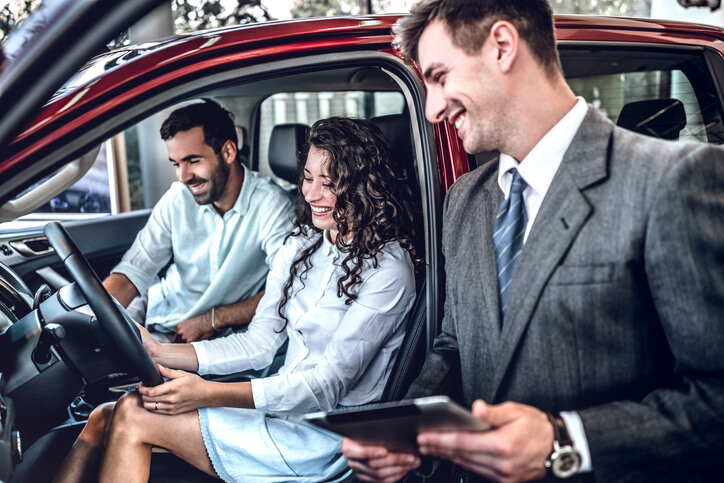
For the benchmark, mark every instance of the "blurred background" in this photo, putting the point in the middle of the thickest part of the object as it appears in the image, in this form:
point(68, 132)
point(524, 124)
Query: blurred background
point(179, 16)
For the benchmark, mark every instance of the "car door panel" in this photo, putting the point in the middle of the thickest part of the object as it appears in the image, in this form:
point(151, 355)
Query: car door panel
point(102, 240)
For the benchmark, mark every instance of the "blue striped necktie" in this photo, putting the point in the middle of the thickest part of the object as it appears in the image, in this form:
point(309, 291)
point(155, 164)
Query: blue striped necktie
point(508, 236)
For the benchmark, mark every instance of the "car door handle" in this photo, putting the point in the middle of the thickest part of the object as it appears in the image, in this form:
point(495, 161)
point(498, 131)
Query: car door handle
point(32, 247)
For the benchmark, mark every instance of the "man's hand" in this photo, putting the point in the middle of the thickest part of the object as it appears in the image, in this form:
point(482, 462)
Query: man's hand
point(514, 450)
point(149, 342)
point(183, 392)
point(376, 463)
point(197, 328)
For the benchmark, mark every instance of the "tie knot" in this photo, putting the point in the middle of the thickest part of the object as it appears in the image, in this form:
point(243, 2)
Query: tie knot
point(518, 183)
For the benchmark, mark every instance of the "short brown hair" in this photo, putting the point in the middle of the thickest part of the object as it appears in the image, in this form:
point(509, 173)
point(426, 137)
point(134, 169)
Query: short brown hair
point(469, 22)
point(217, 123)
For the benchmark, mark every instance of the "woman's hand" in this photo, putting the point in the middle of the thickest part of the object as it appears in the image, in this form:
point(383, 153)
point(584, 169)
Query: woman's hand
point(183, 392)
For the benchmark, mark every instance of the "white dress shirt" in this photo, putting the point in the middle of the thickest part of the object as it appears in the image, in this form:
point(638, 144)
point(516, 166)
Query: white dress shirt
point(538, 170)
point(541, 164)
point(338, 354)
point(217, 260)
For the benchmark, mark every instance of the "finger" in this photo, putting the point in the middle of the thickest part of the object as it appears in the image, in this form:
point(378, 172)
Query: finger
point(163, 389)
point(496, 415)
point(155, 406)
point(378, 479)
point(475, 452)
point(170, 373)
point(353, 449)
point(454, 441)
point(386, 473)
point(394, 462)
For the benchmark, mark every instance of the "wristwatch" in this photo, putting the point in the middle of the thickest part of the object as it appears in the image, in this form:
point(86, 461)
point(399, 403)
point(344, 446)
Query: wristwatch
point(564, 461)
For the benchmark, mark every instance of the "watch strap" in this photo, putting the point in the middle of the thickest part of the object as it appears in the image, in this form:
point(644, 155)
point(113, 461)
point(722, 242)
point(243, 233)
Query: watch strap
point(564, 460)
point(560, 431)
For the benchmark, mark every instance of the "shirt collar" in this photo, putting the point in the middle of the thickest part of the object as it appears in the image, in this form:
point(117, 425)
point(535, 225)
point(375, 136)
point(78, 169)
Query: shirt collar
point(540, 165)
point(328, 248)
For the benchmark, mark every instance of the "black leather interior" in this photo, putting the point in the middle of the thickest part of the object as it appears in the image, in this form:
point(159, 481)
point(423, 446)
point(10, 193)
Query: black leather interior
point(396, 128)
point(285, 141)
point(412, 351)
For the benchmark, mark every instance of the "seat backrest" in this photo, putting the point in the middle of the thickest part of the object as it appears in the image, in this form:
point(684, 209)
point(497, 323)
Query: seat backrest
point(661, 118)
point(397, 131)
point(285, 141)
point(396, 128)
point(412, 352)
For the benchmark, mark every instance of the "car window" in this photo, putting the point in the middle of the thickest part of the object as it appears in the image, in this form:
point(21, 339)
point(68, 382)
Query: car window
point(309, 107)
point(627, 86)
point(645, 86)
point(91, 194)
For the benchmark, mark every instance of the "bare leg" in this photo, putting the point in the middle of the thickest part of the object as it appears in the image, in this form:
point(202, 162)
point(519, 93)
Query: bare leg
point(81, 464)
point(134, 431)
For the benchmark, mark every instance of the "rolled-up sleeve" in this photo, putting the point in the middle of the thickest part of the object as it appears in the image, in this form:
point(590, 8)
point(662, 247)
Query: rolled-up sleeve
point(152, 248)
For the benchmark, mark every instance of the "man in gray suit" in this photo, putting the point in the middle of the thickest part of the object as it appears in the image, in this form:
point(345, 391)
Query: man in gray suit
point(601, 357)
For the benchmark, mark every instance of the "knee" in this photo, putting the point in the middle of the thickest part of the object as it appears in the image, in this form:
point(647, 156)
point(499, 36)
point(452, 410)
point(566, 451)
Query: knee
point(126, 415)
point(97, 423)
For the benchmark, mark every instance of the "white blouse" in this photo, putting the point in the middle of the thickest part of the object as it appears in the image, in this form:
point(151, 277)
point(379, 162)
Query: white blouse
point(338, 354)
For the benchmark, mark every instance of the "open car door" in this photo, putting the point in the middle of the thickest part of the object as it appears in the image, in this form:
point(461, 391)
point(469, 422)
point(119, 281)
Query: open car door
point(47, 49)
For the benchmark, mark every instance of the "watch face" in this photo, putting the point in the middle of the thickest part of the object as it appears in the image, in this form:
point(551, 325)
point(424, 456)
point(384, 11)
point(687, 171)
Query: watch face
point(566, 463)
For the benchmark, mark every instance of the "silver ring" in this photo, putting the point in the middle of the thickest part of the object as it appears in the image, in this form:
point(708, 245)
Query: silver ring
point(156, 405)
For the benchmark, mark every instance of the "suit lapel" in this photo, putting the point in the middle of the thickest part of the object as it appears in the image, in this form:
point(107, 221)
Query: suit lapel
point(487, 270)
point(563, 213)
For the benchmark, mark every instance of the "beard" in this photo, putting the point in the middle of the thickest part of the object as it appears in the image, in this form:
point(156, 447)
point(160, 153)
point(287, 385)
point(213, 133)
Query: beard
point(215, 184)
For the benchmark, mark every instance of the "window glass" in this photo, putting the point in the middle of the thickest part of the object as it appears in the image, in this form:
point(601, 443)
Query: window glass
point(90, 194)
point(644, 88)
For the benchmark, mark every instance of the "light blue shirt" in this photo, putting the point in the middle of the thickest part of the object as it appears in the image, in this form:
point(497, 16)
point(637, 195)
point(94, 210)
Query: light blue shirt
point(217, 260)
point(338, 354)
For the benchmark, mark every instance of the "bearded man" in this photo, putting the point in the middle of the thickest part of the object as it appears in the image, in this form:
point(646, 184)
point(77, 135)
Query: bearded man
point(220, 226)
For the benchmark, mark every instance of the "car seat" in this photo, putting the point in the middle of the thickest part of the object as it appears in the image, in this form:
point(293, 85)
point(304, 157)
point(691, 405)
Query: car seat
point(661, 118)
point(284, 143)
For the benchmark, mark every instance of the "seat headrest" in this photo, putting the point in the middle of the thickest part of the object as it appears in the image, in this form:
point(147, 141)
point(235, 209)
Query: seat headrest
point(662, 118)
point(285, 141)
point(396, 128)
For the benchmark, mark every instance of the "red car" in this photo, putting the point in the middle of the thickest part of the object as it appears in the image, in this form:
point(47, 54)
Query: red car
point(660, 78)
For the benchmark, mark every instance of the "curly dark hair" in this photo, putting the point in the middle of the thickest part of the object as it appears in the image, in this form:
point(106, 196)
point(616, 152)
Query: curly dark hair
point(373, 201)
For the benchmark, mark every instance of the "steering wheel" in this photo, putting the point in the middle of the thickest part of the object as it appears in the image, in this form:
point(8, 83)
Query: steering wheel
point(123, 334)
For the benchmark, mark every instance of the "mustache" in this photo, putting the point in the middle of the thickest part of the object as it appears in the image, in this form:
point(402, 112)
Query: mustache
point(195, 180)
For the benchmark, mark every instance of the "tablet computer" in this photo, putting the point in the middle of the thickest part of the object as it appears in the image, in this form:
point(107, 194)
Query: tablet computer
point(395, 425)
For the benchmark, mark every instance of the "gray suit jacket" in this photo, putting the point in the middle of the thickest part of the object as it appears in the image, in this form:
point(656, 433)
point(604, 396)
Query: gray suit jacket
point(616, 308)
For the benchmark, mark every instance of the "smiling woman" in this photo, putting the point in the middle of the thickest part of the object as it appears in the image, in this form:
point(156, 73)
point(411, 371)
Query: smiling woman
point(319, 192)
